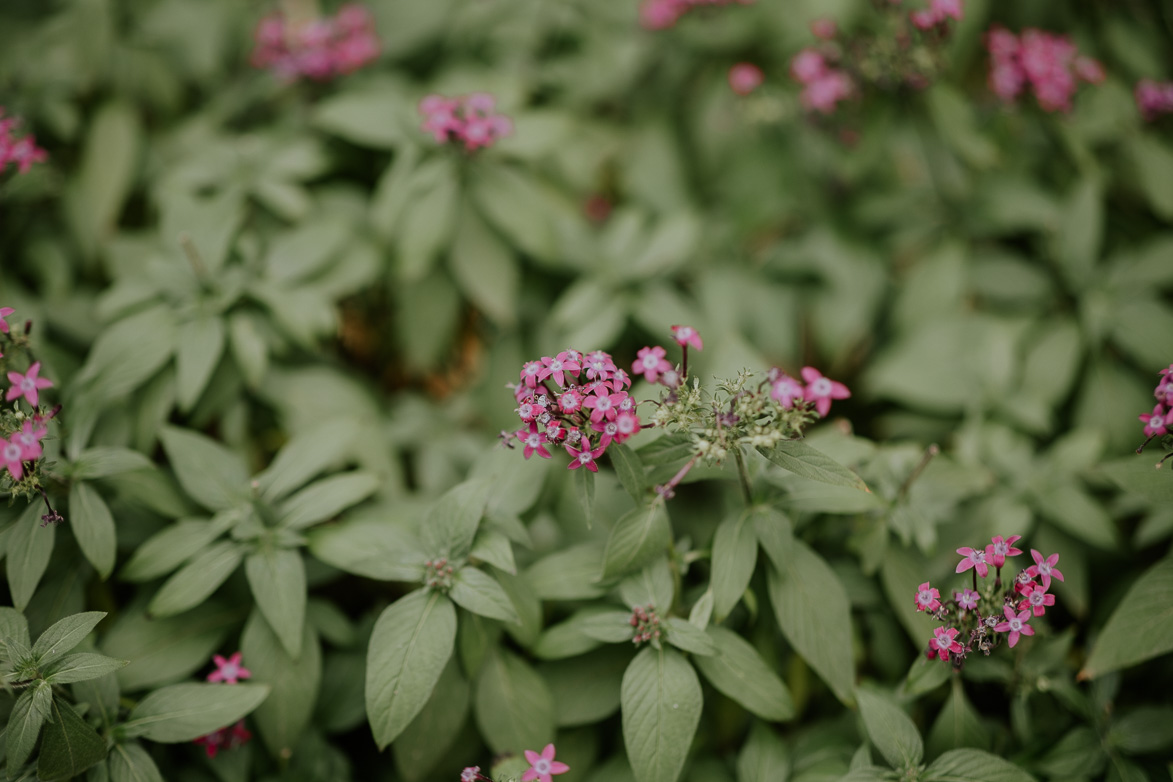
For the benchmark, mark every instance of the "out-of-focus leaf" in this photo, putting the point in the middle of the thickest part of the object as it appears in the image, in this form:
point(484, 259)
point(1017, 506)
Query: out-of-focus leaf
point(1141, 627)
point(109, 160)
point(211, 474)
point(891, 730)
point(183, 712)
point(513, 705)
point(638, 537)
point(292, 682)
point(93, 526)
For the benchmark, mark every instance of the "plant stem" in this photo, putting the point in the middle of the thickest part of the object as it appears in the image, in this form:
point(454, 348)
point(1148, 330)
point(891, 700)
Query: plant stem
point(743, 473)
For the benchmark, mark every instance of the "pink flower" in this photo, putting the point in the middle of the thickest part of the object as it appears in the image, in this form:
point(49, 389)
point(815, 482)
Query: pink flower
point(1015, 625)
point(942, 643)
point(27, 385)
point(21, 151)
point(1044, 568)
point(821, 390)
point(650, 362)
point(11, 458)
point(744, 78)
point(1000, 548)
point(687, 335)
point(1036, 598)
point(824, 93)
point(609, 430)
point(599, 365)
point(1089, 70)
point(530, 373)
point(570, 401)
point(471, 119)
point(543, 766)
point(1156, 423)
point(228, 671)
point(29, 440)
point(626, 425)
point(603, 404)
point(584, 456)
point(927, 598)
point(1164, 390)
point(225, 738)
point(1153, 98)
point(534, 441)
point(786, 390)
point(824, 28)
point(974, 558)
point(967, 599)
point(470, 774)
point(947, 9)
point(620, 380)
point(5, 311)
point(807, 65)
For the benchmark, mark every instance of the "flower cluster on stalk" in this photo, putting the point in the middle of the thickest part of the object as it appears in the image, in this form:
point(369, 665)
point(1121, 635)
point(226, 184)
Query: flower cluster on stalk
point(1159, 423)
point(20, 151)
point(975, 617)
point(472, 119)
point(1046, 63)
point(319, 49)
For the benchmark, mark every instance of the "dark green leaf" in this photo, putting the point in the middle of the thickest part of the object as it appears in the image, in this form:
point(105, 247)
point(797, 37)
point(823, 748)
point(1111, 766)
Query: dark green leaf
point(211, 474)
point(1141, 627)
point(80, 667)
point(93, 526)
point(29, 546)
point(426, 741)
point(735, 553)
point(891, 731)
point(630, 470)
point(64, 635)
point(129, 762)
point(173, 545)
point(801, 459)
point(638, 537)
point(513, 705)
point(69, 746)
point(162, 651)
point(184, 712)
point(738, 671)
point(974, 765)
point(661, 700)
point(23, 728)
point(277, 579)
point(196, 580)
point(199, 345)
point(451, 524)
point(293, 683)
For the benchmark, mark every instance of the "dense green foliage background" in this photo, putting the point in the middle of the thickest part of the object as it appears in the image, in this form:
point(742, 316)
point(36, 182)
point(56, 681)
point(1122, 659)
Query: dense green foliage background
point(991, 279)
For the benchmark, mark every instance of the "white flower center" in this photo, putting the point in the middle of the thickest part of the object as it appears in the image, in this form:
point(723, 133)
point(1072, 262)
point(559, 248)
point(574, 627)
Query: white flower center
point(650, 362)
point(926, 597)
point(531, 369)
point(603, 404)
point(542, 766)
point(684, 333)
point(534, 440)
point(584, 457)
point(1044, 568)
point(627, 404)
point(1001, 548)
point(978, 556)
point(555, 366)
point(27, 384)
point(821, 387)
point(625, 425)
point(1036, 598)
point(12, 452)
point(229, 671)
point(610, 428)
point(1015, 625)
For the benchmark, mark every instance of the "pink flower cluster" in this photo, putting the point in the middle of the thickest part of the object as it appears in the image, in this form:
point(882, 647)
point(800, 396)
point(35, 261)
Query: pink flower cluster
point(472, 119)
point(319, 49)
point(937, 14)
point(24, 445)
point(21, 151)
point(1160, 422)
point(662, 14)
point(823, 86)
point(542, 768)
point(1047, 62)
point(818, 392)
point(745, 77)
point(1153, 98)
point(1001, 609)
point(228, 671)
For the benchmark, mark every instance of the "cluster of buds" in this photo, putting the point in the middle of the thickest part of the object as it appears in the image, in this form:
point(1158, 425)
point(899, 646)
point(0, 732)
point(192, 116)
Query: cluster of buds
point(662, 14)
point(318, 49)
point(977, 615)
point(228, 737)
point(21, 151)
point(438, 574)
point(1159, 423)
point(646, 625)
point(472, 119)
point(542, 768)
point(1153, 98)
point(1048, 63)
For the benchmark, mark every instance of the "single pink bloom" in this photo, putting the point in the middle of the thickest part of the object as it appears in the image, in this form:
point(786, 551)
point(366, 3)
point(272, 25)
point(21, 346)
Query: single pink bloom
point(480, 102)
point(228, 671)
point(603, 404)
point(11, 458)
point(1036, 598)
point(224, 738)
point(470, 774)
point(925, 18)
point(1089, 70)
point(570, 401)
point(555, 431)
point(744, 78)
point(786, 390)
point(807, 65)
point(824, 28)
point(530, 373)
point(620, 380)
point(1044, 568)
point(29, 440)
point(942, 643)
point(659, 14)
point(927, 598)
point(557, 367)
point(947, 8)
point(626, 425)
point(354, 17)
point(967, 599)
point(1155, 424)
point(687, 335)
point(824, 93)
point(822, 390)
point(650, 362)
point(534, 441)
point(599, 365)
point(1015, 624)
point(584, 456)
point(974, 558)
point(27, 385)
point(4, 313)
point(1000, 548)
point(528, 410)
point(543, 766)
point(1164, 391)
point(609, 430)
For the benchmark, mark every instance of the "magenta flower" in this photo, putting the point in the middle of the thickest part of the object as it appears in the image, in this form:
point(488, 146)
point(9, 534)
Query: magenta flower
point(786, 390)
point(744, 78)
point(225, 738)
point(1044, 568)
point(822, 390)
point(1156, 423)
point(603, 404)
point(543, 766)
point(529, 373)
point(1000, 548)
point(620, 380)
point(27, 385)
point(319, 49)
point(228, 671)
point(967, 599)
point(29, 440)
point(471, 119)
point(4, 313)
point(584, 456)
point(1153, 98)
point(470, 774)
point(942, 643)
point(626, 425)
point(974, 558)
point(936, 14)
point(1164, 391)
point(824, 28)
point(534, 441)
point(807, 65)
point(687, 335)
point(1015, 624)
point(10, 457)
point(650, 362)
point(1036, 598)
point(609, 430)
point(927, 598)
point(559, 366)
point(599, 366)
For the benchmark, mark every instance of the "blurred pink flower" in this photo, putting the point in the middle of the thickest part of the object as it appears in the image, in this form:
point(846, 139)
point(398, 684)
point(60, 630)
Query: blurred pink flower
point(744, 78)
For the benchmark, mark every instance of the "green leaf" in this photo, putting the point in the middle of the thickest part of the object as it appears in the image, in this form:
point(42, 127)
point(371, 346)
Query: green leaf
point(326, 498)
point(93, 526)
point(1153, 166)
point(475, 590)
point(249, 348)
point(172, 546)
point(584, 489)
point(581, 633)
point(485, 269)
point(209, 222)
point(103, 181)
point(735, 554)
point(69, 745)
point(29, 546)
point(685, 636)
point(451, 524)
point(64, 635)
point(277, 579)
point(394, 191)
point(427, 226)
point(128, 353)
point(958, 725)
point(494, 548)
point(1138, 475)
point(429, 737)
point(974, 765)
point(661, 701)
point(197, 580)
point(1073, 510)
point(924, 676)
point(200, 343)
point(630, 470)
point(1143, 730)
point(1140, 628)
point(210, 474)
point(371, 547)
point(1080, 231)
point(409, 647)
point(308, 453)
point(518, 207)
point(607, 626)
point(293, 683)
point(13, 625)
point(24, 726)
point(815, 616)
point(804, 460)
point(637, 538)
point(774, 532)
point(764, 757)
point(164, 650)
point(81, 667)
point(586, 688)
point(891, 731)
point(104, 461)
point(129, 762)
point(308, 249)
point(569, 574)
point(368, 117)
point(702, 611)
point(513, 705)
point(653, 585)
point(184, 712)
point(738, 671)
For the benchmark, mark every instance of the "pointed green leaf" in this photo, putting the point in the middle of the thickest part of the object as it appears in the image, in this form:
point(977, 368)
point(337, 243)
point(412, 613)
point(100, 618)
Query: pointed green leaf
point(129, 762)
point(81, 667)
point(802, 459)
point(162, 651)
point(293, 683)
point(485, 269)
point(370, 547)
point(172, 546)
point(24, 726)
point(637, 538)
point(69, 745)
point(310, 452)
point(277, 579)
point(93, 526)
point(569, 574)
point(451, 524)
point(513, 705)
point(653, 585)
point(735, 554)
point(584, 489)
point(197, 580)
point(764, 758)
point(1140, 628)
point(29, 546)
point(104, 461)
point(184, 712)
point(426, 741)
point(974, 765)
point(661, 702)
point(211, 474)
point(326, 498)
point(197, 351)
point(495, 548)
point(13, 625)
point(64, 635)
point(409, 647)
point(687, 637)
point(630, 470)
point(738, 671)
point(475, 590)
point(891, 731)
point(958, 725)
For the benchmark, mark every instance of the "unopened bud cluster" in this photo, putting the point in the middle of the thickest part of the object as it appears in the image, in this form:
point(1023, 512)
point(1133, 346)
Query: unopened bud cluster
point(438, 574)
point(646, 624)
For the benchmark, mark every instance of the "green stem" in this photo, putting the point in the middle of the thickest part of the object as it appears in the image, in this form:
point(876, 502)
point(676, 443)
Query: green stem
point(743, 473)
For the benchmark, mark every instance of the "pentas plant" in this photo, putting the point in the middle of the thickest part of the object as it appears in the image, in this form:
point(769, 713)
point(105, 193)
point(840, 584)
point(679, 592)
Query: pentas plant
point(228, 671)
point(542, 768)
point(471, 119)
point(20, 151)
point(976, 616)
point(1046, 63)
point(1159, 423)
point(318, 48)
